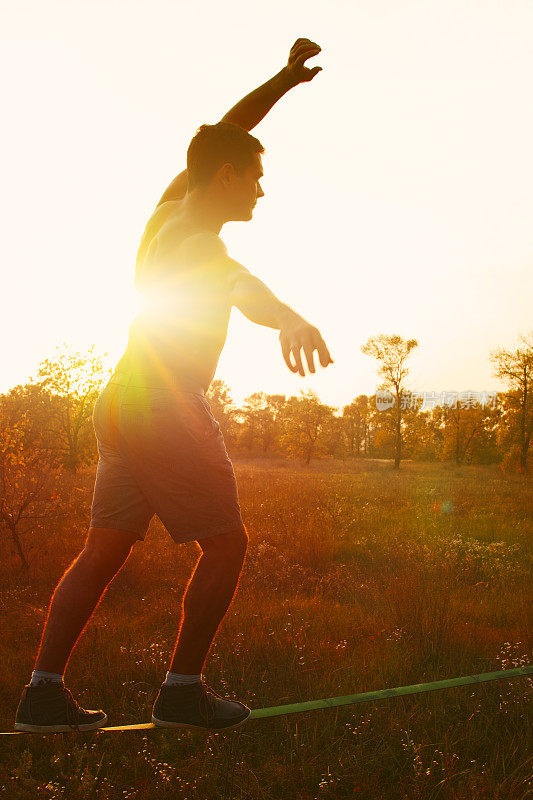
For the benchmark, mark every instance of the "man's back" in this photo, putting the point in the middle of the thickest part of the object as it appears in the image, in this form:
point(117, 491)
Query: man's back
point(181, 328)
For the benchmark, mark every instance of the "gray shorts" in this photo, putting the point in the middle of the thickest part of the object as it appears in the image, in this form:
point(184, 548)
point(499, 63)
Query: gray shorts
point(161, 451)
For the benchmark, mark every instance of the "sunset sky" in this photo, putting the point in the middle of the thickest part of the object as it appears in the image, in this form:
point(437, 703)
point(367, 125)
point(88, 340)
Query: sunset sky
point(398, 183)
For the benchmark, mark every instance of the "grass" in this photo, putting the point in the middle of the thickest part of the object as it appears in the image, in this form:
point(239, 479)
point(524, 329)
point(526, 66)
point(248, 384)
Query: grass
point(356, 578)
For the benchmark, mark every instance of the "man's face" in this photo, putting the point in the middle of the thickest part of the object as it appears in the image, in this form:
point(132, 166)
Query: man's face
point(244, 190)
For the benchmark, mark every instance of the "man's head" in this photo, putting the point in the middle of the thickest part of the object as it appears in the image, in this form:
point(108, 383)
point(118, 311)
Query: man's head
point(224, 166)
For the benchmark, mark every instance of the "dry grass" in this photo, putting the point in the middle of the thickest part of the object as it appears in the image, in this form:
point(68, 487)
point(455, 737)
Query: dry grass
point(356, 578)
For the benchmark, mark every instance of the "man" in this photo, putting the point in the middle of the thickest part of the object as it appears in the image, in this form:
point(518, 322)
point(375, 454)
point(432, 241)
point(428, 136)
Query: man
point(161, 450)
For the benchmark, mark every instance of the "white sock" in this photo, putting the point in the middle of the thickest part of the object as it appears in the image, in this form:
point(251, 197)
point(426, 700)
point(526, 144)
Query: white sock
point(174, 678)
point(38, 676)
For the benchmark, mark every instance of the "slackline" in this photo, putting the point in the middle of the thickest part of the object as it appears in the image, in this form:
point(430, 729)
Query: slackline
point(329, 702)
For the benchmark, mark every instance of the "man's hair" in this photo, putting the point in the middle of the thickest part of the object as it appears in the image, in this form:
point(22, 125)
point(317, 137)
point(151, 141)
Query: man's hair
point(214, 145)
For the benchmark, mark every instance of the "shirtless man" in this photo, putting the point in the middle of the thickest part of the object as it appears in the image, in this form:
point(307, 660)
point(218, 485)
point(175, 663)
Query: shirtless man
point(161, 451)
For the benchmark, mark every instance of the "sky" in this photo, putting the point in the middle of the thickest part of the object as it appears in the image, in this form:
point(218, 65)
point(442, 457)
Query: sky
point(398, 182)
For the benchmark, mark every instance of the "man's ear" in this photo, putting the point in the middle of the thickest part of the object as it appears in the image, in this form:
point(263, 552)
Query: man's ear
point(227, 173)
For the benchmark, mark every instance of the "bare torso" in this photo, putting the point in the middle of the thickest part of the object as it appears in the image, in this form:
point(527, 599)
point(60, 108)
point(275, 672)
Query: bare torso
point(169, 225)
point(182, 327)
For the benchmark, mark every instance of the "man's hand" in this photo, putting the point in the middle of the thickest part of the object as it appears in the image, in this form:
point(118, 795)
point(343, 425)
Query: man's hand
point(301, 50)
point(295, 333)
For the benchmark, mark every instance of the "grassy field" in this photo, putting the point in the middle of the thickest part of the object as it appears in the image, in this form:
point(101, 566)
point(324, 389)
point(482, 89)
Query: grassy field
point(357, 578)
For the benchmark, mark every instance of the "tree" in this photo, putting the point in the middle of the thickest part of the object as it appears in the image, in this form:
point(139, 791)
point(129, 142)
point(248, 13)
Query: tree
point(223, 408)
point(423, 435)
point(75, 381)
point(261, 417)
point(468, 432)
point(334, 440)
point(29, 472)
point(251, 414)
point(355, 418)
point(392, 353)
point(516, 368)
point(381, 431)
point(305, 423)
point(38, 405)
point(272, 421)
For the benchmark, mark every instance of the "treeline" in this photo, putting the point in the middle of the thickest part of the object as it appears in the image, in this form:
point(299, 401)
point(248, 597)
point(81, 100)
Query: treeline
point(463, 427)
point(46, 429)
point(304, 428)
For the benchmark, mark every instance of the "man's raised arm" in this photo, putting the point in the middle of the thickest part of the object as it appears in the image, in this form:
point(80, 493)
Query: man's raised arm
point(260, 305)
point(249, 111)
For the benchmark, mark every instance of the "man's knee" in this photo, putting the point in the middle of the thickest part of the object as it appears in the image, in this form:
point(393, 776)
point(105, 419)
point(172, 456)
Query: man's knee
point(233, 543)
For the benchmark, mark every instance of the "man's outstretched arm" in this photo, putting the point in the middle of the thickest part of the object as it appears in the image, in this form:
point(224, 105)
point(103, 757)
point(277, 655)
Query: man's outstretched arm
point(249, 111)
point(260, 305)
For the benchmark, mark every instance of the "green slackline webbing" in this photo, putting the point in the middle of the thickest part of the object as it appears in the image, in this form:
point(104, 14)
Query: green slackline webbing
point(330, 702)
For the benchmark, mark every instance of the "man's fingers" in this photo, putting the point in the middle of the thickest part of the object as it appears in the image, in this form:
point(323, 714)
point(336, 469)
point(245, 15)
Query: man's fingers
point(296, 43)
point(296, 352)
point(286, 350)
point(310, 341)
point(324, 356)
point(306, 45)
point(304, 54)
point(323, 352)
point(314, 72)
point(302, 41)
point(308, 350)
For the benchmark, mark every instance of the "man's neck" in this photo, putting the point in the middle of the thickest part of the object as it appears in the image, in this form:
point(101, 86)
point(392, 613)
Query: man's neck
point(202, 211)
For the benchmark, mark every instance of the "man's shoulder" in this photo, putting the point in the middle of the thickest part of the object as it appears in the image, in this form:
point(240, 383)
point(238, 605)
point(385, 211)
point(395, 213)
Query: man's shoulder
point(205, 243)
point(191, 243)
point(201, 247)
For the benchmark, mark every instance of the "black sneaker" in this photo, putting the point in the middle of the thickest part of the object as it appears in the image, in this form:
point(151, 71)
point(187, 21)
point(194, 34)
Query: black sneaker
point(49, 706)
point(195, 705)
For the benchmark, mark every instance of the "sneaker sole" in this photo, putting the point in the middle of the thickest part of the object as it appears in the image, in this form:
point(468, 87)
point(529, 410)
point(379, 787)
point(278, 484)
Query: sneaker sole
point(164, 724)
point(88, 726)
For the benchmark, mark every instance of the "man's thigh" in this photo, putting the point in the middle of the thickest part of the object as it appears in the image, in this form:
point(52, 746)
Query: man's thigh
point(119, 503)
point(110, 540)
point(175, 450)
point(234, 541)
